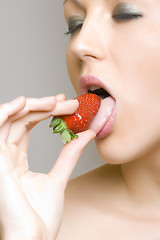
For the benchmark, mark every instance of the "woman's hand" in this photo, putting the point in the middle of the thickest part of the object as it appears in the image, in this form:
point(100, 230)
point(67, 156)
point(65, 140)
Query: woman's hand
point(31, 204)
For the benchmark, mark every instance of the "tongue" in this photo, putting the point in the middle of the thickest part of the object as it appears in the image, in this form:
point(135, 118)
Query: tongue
point(103, 115)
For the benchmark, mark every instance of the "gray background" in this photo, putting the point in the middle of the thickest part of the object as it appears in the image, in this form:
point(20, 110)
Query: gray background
point(32, 64)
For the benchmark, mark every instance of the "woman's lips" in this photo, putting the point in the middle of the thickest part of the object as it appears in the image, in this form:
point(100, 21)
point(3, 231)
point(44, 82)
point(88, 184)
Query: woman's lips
point(91, 80)
point(104, 120)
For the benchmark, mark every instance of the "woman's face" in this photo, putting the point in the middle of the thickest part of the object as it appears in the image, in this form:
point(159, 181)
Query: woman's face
point(118, 42)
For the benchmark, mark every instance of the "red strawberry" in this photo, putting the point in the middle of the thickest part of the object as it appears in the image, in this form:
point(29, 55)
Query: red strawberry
point(79, 121)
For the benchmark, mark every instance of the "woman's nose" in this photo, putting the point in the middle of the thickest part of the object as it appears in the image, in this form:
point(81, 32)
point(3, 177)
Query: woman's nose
point(89, 42)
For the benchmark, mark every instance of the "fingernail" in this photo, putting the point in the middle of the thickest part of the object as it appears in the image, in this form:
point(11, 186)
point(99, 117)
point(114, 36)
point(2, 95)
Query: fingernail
point(70, 101)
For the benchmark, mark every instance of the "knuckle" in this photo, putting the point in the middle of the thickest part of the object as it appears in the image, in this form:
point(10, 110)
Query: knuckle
point(4, 112)
point(30, 124)
point(4, 106)
point(41, 104)
point(60, 97)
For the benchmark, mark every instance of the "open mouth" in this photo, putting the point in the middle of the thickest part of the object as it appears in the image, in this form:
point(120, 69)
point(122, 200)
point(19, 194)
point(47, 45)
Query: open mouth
point(104, 120)
point(102, 93)
point(92, 84)
point(102, 124)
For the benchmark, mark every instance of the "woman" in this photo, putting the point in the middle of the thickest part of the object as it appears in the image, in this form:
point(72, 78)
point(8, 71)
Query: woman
point(114, 45)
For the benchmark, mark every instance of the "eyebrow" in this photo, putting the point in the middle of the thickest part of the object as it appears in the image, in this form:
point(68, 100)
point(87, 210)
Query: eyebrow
point(74, 1)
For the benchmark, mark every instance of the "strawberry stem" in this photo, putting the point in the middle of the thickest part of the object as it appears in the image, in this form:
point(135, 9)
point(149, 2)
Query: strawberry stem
point(59, 126)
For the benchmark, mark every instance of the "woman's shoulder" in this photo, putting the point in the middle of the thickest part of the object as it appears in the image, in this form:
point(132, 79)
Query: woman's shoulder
point(89, 183)
point(97, 207)
point(86, 200)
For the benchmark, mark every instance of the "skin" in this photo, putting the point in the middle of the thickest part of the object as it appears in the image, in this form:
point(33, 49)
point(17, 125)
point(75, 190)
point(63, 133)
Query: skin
point(119, 200)
point(126, 55)
point(31, 204)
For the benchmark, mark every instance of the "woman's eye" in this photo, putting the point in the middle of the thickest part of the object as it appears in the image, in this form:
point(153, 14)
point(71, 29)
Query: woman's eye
point(126, 11)
point(74, 24)
point(74, 28)
point(126, 16)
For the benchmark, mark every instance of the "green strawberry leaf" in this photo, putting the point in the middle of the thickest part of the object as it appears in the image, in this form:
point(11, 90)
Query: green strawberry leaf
point(72, 134)
point(59, 126)
point(55, 122)
point(65, 136)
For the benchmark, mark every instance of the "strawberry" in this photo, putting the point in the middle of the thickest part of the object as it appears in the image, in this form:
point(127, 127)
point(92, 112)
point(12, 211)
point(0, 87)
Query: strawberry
point(79, 121)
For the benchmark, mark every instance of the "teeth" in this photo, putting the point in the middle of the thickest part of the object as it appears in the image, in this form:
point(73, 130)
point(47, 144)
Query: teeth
point(93, 87)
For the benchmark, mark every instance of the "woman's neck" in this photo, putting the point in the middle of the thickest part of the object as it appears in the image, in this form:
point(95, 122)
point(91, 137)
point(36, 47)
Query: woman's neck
point(142, 178)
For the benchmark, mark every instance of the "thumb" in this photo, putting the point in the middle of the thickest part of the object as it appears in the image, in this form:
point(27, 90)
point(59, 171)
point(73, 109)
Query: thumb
point(70, 155)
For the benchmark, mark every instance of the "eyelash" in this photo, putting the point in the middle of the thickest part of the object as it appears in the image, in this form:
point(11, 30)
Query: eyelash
point(120, 17)
point(74, 28)
point(126, 16)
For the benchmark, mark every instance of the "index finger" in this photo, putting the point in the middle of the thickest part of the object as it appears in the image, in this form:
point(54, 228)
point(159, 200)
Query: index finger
point(11, 108)
point(69, 157)
point(65, 107)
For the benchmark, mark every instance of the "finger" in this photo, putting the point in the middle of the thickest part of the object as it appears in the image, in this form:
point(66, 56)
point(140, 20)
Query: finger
point(65, 107)
point(41, 104)
point(4, 131)
point(32, 104)
point(60, 97)
point(23, 143)
point(37, 105)
point(22, 127)
point(21, 164)
point(69, 157)
point(19, 127)
point(9, 109)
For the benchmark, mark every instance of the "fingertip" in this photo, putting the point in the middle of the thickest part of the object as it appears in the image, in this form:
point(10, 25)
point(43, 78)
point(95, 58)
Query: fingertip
point(70, 155)
point(87, 135)
point(65, 108)
point(83, 139)
point(23, 100)
point(76, 102)
point(18, 100)
point(60, 97)
point(73, 102)
point(52, 100)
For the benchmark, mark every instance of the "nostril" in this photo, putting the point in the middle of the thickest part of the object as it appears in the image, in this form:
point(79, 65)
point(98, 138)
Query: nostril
point(86, 50)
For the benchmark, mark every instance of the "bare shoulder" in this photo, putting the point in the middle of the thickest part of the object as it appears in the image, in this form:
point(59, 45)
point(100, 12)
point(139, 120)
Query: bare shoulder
point(96, 207)
point(89, 186)
point(85, 204)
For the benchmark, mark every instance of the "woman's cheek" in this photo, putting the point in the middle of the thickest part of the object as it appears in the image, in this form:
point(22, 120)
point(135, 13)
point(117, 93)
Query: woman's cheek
point(73, 67)
point(131, 137)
